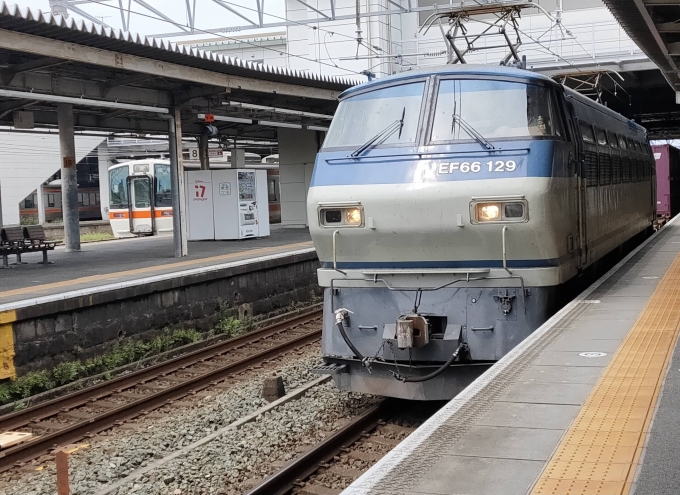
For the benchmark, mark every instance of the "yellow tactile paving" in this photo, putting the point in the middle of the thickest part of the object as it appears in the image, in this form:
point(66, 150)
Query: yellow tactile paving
point(600, 452)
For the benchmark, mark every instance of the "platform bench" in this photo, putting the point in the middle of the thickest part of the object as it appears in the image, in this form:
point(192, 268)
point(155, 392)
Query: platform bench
point(12, 242)
point(34, 236)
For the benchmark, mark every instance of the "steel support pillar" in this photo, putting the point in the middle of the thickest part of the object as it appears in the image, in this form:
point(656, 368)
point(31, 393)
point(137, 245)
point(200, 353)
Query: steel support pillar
point(1, 224)
point(203, 154)
point(69, 178)
point(179, 224)
point(40, 199)
point(297, 153)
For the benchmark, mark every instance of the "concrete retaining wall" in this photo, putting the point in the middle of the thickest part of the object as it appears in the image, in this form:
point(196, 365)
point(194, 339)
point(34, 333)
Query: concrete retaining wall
point(81, 327)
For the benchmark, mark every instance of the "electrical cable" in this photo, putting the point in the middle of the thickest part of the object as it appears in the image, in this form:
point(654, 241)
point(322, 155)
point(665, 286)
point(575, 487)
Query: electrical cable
point(301, 24)
point(326, 48)
point(148, 16)
point(562, 27)
point(537, 41)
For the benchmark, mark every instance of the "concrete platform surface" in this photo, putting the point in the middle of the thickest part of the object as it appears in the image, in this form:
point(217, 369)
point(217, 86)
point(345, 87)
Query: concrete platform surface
point(571, 410)
point(125, 260)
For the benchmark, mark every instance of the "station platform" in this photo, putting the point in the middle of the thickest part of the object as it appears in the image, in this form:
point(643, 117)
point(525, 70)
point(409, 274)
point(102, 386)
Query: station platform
point(588, 404)
point(130, 261)
point(87, 301)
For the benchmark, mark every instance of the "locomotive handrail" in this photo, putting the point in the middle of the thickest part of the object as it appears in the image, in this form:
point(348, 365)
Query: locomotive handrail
point(411, 156)
point(407, 271)
point(498, 198)
point(505, 254)
point(335, 258)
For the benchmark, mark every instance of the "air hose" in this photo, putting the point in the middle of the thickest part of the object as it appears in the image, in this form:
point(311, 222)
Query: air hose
point(340, 316)
point(437, 372)
point(356, 352)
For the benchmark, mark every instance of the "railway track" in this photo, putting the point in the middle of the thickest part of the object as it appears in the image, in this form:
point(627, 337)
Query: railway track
point(86, 412)
point(331, 465)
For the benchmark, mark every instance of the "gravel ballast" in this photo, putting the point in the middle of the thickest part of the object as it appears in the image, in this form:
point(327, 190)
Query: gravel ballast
point(230, 464)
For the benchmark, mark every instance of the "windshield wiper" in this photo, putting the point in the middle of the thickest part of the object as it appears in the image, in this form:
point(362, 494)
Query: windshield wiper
point(471, 131)
point(397, 125)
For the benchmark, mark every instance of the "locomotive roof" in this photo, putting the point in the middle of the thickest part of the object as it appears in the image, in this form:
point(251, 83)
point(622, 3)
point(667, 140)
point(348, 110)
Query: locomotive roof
point(487, 70)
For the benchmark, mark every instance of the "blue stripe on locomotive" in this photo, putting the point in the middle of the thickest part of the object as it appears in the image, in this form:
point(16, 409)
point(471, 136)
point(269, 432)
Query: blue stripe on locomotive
point(364, 265)
point(404, 165)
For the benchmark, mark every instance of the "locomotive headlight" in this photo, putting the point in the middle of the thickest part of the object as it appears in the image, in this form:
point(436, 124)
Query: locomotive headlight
point(491, 210)
point(353, 216)
point(513, 210)
point(487, 212)
point(341, 215)
point(332, 216)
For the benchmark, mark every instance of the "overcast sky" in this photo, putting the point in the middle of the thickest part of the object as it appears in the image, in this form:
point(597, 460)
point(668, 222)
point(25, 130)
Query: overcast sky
point(208, 15)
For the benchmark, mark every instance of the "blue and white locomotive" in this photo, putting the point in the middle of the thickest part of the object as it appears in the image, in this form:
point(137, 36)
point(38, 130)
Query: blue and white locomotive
point(450, 207)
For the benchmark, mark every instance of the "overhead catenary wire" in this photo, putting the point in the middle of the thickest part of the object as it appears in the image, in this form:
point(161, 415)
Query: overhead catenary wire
point(549, 16)
point(300, 24)
point(573, 37)
point(316, 27)
point(148, 16)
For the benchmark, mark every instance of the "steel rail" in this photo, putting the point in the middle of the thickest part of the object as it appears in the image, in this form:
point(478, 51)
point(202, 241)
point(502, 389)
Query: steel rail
point(109, 418)
point(283, 481)
point(81, 397)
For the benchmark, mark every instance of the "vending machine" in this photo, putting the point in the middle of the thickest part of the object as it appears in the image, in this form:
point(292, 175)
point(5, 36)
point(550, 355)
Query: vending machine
point(247, 204)
point(238, 203)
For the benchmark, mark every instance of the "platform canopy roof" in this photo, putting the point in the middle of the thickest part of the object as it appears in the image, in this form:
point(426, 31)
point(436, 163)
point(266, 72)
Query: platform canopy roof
point(122, 82)
point(653, 26)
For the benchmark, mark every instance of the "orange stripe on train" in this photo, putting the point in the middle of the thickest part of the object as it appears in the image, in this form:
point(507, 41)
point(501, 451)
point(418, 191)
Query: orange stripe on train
point(120, 215)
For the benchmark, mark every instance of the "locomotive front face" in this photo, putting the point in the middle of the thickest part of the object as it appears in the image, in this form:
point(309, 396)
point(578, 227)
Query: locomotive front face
point(440, 246)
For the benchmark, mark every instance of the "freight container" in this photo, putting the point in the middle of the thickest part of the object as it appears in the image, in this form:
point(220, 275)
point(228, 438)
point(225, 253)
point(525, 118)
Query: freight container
point(667, 180)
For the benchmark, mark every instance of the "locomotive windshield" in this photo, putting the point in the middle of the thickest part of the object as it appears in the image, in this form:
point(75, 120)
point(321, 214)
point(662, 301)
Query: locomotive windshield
point(493, 109)
point(360, 117)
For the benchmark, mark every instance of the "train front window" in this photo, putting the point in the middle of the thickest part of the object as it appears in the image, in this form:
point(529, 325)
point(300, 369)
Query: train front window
point(142, 193)
point(360, 117)
point(118, 187)
point(494, 109)
point(163, 185)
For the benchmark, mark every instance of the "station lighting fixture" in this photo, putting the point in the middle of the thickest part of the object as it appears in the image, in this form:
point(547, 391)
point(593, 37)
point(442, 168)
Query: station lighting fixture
point(219, 118)
point(26, 95)
point(286, 111)
point(270, 123)
point(279, 124)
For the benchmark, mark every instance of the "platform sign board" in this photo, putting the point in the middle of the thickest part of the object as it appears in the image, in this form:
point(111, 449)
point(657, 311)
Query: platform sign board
point(212, 153)
point(225, 188)
point(199, 194)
